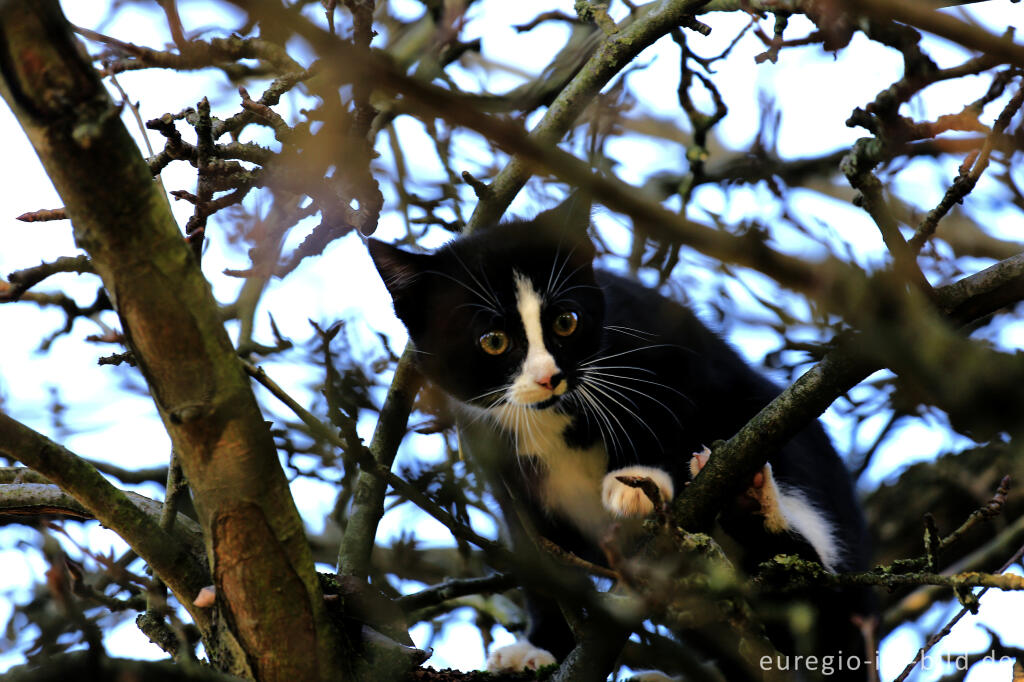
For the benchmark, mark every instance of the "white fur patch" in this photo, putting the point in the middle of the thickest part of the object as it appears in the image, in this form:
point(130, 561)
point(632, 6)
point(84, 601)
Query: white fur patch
point(539, 366)
point(787, 509)
point(572, 484)
point(519, 656)
point(652, 676)
point(807, 520)
point(623, 500)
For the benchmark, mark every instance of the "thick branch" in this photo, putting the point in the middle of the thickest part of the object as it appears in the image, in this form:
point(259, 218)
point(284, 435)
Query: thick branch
point(80, 665)
point(800, 404)
point(839, 371)
point(923, 15)
point(368, 499)
point(41, 499)
point(173, 327)
point(170, 559)
point(611, 57)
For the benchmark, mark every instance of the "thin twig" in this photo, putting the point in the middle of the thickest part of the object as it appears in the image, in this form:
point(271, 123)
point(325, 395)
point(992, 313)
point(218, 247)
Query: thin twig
point(948, 627)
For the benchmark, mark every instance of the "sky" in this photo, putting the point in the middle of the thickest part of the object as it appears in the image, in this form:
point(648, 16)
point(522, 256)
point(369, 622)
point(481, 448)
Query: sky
point(104, 420)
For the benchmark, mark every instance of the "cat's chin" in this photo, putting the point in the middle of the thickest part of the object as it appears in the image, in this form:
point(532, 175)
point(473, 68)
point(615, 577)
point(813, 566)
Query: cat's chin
point(546, 403)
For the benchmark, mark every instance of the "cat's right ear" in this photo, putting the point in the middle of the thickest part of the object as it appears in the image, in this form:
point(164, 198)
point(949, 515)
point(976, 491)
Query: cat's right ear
point(399, 269)
point(570, 218)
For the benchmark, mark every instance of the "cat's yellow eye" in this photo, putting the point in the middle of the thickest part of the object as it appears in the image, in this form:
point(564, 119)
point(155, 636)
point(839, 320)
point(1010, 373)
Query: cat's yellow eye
point(494, 343)
point(565, 323)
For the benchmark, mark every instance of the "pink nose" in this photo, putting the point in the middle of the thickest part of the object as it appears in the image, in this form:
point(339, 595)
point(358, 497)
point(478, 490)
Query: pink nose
point(551, 382)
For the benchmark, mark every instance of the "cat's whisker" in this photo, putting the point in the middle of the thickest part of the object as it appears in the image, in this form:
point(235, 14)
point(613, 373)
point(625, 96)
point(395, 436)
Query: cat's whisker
point(599, 384)
point(606, 415)
point(560, 289)
point(562, 292)
point(588, 391)
point(478, 414)
point(630, 350)
point(633, 367)
point(520, 416)
point(517, 416)
point(620, 387)
point(488, 298)
point(476, 280)
point(610, 391)
point(481, 306)
point(553, 279)
point(489, 287)
point(513, 417)
point(500, 389)
point(630, 331)
point(599, 372)
point(604, 425)
point(530, 429)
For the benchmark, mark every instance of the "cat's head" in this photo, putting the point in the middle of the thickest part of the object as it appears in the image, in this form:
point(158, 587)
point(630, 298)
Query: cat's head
point(505, 315)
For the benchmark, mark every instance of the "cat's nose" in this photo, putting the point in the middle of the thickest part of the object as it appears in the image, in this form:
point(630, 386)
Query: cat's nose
point(551, 382)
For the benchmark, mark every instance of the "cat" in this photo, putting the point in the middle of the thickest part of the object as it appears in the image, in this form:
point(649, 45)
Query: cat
point(576, 376)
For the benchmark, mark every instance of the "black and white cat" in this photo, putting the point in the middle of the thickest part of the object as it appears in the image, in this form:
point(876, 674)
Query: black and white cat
point(586, 376)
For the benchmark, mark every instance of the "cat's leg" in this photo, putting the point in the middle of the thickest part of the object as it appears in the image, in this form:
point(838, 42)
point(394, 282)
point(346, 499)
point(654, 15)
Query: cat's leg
point(653, 676)
point(624, 500)
point(522, 655)
point(763, 491)
point(548, 638)
point(785, 509)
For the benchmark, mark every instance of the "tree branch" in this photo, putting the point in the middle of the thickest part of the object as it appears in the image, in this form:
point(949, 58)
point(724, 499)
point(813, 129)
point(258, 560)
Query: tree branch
point(923, 15)
point(170, 558)
point(839, 371)
point(173, 327)
point(44, 499)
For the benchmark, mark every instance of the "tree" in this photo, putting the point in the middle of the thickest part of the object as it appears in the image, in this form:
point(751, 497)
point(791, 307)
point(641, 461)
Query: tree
point(932, 308)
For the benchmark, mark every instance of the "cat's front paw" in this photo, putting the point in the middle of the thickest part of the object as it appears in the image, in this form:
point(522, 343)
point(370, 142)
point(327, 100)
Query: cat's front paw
point(522, 655)
point(623, 500)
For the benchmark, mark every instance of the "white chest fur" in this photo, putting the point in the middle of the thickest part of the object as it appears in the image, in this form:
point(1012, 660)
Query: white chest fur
point(571, 478)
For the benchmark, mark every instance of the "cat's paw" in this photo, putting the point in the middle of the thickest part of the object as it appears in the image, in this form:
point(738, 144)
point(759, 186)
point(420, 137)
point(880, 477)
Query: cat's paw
point(652, 676)
point(762, 491)
point(519, 656)
point(623, 500)
point(765, 493)
point(698, 460)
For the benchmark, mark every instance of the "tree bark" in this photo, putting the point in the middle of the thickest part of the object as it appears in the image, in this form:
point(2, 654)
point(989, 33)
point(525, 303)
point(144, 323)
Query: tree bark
point(272, 623)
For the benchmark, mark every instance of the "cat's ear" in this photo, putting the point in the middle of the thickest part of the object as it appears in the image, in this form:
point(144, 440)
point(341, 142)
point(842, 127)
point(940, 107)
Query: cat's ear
point(571, 218)
point(399, 269)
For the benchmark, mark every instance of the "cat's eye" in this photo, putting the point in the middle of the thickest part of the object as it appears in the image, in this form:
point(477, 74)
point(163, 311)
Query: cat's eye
point(494, 343)
point(565, 323)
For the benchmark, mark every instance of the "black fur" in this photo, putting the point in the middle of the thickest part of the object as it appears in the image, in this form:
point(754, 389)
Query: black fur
point(678, 388)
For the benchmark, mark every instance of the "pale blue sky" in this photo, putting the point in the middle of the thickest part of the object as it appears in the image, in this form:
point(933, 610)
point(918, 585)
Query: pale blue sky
point(817, 93)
